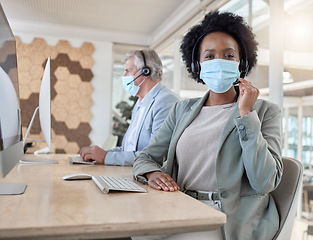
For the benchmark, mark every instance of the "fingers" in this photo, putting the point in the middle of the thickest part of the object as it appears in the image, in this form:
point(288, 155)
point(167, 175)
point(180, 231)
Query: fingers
point(93, 153)
point(164, 185)
point(162, 181)
point(248, 96)
point(86, 153)
point(154, 185)
point(247, 87)
point(88, 157)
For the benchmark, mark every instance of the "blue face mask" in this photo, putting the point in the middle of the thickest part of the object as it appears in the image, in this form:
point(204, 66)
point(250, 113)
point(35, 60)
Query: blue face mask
point(129, 85)
point(219, 74)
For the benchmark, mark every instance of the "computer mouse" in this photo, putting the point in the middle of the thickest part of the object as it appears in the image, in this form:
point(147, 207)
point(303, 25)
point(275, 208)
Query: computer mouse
point(77, 176)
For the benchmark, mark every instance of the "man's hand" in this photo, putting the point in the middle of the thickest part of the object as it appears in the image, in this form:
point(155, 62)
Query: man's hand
point(93, 153)
point(161, 181)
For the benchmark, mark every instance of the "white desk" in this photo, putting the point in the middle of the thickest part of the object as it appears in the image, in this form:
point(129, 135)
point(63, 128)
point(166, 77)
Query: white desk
point(52, 208)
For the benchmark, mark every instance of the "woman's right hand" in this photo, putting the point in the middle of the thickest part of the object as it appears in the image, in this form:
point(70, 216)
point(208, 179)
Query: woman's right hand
point(161, 181)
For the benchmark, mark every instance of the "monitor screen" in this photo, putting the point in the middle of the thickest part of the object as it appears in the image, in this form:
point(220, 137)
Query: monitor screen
point(9, 97)
point(9, 112)
point(11, 144)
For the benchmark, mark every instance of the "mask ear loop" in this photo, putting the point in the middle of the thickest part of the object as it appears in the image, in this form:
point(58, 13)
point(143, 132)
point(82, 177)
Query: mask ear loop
point(142, 82)
point(144, 79)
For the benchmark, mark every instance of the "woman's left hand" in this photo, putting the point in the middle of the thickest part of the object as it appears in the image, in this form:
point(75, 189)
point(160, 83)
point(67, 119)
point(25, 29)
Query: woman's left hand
point(161, 181)
point(248, 96)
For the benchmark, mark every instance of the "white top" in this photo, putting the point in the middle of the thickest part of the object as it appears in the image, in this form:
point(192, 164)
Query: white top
point(197, 148)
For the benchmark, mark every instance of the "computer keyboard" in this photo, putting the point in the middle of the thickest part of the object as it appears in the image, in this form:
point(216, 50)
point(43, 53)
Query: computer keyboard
point(108, 184)
point(77, 159)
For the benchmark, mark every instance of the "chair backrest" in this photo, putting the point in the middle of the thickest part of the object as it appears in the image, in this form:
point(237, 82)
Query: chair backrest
point(110, 142)
point(286, 196)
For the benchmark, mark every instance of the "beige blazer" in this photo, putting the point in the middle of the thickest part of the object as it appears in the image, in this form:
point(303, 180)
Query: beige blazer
point(248, 164)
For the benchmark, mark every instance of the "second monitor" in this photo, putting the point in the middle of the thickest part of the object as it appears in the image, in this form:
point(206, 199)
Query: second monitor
point(44, 109)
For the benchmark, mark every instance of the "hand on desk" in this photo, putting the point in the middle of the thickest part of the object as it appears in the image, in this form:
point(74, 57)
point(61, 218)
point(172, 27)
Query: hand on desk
point(93, 153)
point(161, 181)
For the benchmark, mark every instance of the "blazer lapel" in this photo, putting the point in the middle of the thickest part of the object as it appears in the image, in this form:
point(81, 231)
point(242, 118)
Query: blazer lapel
point(147, 108)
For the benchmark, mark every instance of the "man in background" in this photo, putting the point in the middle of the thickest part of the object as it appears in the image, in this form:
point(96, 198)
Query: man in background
point(142, 76)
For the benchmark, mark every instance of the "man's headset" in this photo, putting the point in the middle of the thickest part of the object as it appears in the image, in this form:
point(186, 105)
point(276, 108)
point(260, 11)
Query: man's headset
point(145, 70)
point(243, 65)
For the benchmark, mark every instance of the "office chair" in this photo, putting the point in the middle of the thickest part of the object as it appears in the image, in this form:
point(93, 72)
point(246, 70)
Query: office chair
point(286, 196)
point(110, 142)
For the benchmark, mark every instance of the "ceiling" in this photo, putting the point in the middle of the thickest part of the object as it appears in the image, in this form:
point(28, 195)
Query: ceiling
point(158, 23)
point(127, 16)
point(135, 22)
point(153, 23)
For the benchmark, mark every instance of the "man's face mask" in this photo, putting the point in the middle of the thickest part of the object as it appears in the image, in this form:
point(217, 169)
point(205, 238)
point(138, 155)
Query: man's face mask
point(129, 85)
point(219, 74)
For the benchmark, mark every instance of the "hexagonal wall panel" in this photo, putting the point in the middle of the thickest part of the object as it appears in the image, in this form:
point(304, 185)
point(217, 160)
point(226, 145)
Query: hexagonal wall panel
point(71, 77)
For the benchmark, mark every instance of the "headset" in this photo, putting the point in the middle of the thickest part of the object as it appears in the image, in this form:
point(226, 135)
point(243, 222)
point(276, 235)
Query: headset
point(243, 65)
point(195, 64)
point(145, 71)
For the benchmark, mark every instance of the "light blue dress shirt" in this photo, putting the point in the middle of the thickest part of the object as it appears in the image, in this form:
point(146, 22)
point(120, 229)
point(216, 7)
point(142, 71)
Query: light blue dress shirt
point(134, 128)
point(147, 117)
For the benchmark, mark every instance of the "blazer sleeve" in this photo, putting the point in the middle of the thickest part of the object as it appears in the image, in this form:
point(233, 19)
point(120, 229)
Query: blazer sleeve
point(260, 139)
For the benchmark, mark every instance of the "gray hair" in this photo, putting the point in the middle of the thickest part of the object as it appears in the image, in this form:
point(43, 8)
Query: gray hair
point(153, 61)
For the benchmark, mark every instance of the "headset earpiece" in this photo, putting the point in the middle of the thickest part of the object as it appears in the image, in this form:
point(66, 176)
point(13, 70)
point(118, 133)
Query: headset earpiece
point(195, 64)
point(195, 67)
point(145, 71)
point(243, 68)
point(244, 64)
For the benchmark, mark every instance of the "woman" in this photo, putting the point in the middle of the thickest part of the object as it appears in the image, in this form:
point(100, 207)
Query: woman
point(224, 147)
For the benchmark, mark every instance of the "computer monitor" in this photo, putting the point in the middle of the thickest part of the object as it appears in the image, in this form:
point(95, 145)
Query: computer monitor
point(44, 110)
point(11, 144)
point(45, 107)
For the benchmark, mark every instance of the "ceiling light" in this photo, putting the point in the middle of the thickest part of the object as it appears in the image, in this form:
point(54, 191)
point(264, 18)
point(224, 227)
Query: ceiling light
point(287, 78)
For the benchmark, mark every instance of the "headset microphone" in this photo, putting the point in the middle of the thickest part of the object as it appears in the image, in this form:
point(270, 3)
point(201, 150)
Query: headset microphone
point(134, 79)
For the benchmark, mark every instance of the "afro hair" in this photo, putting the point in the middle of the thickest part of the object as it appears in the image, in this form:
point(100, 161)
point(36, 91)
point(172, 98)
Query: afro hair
point(225, 22)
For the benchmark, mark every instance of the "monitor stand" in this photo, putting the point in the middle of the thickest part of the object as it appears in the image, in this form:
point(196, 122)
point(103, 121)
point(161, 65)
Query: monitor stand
point(12, 188)
point(8, 159)
point(39, 161)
